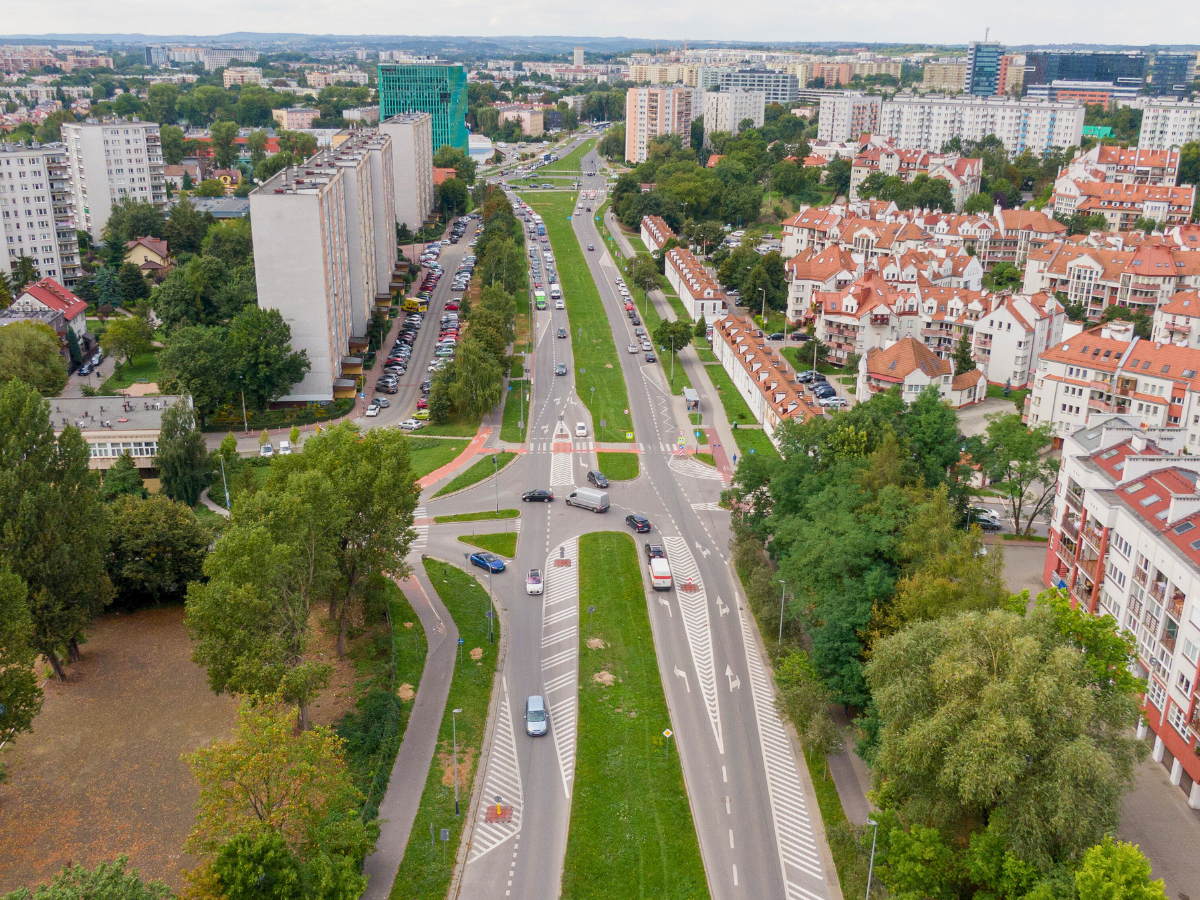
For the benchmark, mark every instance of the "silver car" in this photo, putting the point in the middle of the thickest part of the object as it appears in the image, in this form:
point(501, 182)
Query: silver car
point(537, 721)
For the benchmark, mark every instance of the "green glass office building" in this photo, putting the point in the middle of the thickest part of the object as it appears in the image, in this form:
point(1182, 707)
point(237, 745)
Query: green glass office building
point(439, 89)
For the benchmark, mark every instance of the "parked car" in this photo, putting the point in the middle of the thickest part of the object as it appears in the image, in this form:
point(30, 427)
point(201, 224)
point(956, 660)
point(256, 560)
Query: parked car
point(411, 425)
point(799, 336)
point(539, 495)
point(533, 582)
point(85, 369)
point(777, 336)
point(372, 411)
point(266, 450)
point(386, 387)
point(640, 524)
point(833, 402)
point(485, 559)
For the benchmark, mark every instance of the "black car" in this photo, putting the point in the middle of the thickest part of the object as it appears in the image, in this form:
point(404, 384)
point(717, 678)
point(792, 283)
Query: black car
point(562, 332)
point(655, 551)
point(810, 376)
point(777, 336)
point(640, 524)
point(597, 478)
point(799, 336)
point(650, 357)
point(560, 369)
point(634, 320)
point(85, 369)
point(821, 391)
point(538, 495)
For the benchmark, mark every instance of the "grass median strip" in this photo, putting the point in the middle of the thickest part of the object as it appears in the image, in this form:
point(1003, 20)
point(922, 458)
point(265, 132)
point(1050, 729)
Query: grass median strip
point(599, 381)
point(482, 468)
point(631, 831)
point(516, 420)
point(485, 516)
point(424, 875)
point(619, 466)
point(503, 543)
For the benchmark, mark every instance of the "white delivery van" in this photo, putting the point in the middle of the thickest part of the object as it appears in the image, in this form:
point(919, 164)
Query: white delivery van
point(660, 574)
point(285, 448)
point(587, 498)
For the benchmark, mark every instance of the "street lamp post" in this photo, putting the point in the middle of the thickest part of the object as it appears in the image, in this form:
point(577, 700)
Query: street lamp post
point(228, 503)
point(454, 729)
point(782, 607)
point(763, 291)
point(245, 421)
point(871, 867)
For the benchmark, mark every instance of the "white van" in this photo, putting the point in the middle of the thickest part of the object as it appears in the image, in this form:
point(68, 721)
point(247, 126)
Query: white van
point(285, 448)
point(660, 574)
point(587, 498)
point(580, 429)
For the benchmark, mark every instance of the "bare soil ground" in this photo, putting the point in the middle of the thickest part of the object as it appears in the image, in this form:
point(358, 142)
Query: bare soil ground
point(102, 773)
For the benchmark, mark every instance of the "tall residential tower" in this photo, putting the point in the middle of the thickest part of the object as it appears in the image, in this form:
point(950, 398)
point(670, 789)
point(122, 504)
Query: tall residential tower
point(437, 88)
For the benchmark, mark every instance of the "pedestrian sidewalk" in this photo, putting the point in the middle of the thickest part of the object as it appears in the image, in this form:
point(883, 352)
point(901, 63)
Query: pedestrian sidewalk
point(472, 449)
point(211, 504)
point(849, 773)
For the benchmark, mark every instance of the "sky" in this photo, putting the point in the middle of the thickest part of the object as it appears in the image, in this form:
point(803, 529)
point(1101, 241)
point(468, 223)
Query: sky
point(928, 21)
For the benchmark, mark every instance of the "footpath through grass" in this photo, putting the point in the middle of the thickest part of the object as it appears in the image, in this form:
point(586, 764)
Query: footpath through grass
point(482, 468)
point(503, 543)
point(423, 874)
point(597, 364)
point(631, 831)
point(516, 411)
point(618, 466)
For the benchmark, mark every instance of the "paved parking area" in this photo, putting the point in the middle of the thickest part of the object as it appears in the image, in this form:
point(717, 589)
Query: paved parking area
point(1157, 818)
point(973, 421)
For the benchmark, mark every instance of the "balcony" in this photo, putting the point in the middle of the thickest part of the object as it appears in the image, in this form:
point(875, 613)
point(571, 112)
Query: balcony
point(1158, 590)
point(1100, 406)
point(1168, 641)
point(1074, 500)
point(1140, 577)
point(1070, 526)
point(1090, 565)
point(1092, 535)
point(983, 341)
point(1174, 606)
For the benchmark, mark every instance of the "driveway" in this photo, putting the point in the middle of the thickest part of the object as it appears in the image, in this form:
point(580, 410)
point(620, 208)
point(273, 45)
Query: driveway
point(973, 419)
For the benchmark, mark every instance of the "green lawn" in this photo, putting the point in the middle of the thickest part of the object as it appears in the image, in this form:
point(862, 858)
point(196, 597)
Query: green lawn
point(681, 312)
point(485, 516)
point(141, 368)
point(618, 466)
point(736, 409)
point(208, 518)
point(482, 468)
point(423, 875)
point(706, 458)
point(596, 362)
point(631, 832)
point(801, 358)
point(754, 440)
point(705, 355)
point(1016, 396)
point(516, 410)
point(455, 428)
point(503, 543)
point(569, 164)
point(427, 454)
point(635, 241)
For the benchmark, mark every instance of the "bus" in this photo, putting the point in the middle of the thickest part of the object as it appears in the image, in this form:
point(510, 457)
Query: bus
point(539, 299)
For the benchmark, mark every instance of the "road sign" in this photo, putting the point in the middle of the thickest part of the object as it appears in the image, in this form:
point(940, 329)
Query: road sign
point(667, 733)
point(461, 641)
point(629, 435)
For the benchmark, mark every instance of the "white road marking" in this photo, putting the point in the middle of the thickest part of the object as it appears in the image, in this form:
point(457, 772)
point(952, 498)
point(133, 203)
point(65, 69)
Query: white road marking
point(694, 607)
point(561, 474)
point(734, 681)
point(679, 673)
point(735, 880)
point(724, 775)
point(560, 670)
point(685, 465)
point(502, 779)
point(663, 601)
point(730, 838)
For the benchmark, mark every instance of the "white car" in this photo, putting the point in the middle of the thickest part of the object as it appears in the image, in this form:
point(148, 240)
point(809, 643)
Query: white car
point(372, 410)
point(633, 348)
point(533, 584)
point(835, 402)
point(411, 424)
point(646, 346)
point(558, 304)
point(580, 429)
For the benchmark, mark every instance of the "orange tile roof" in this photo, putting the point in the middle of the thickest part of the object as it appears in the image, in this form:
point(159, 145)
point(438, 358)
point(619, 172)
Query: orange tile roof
point(902, 358)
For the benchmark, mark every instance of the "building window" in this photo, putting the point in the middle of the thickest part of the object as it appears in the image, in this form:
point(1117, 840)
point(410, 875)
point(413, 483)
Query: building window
point(1157, 694)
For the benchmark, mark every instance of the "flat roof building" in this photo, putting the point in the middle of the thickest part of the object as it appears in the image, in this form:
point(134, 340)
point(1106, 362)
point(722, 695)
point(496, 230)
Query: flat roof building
point(439, 89)
point(412, 166)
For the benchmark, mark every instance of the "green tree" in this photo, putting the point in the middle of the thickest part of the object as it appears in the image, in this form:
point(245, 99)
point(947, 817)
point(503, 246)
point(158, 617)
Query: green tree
point(1114, 870)
point(300, 144)
point(20, 695)
point(452, 197)
point(6, 291)
point(108, 881)
point(210, 187)
point(999, 718)
point(448, 157)
point(55, 526)
point(223, 148)
point(837, 176)
point(768, 278)
point(673, 336)
point(161, 99)
point(232, 243)
point(261, 356)
point(107, 287)
point(123, 479)
point(979, 203)
point(172, 141)
point(195, 361)
point(158, 546)
point(478, 380)
point(134, 287)
point(31, 352)
point(182, 459)
point(129, 220)
point(185, 227)
point(963, 360)
point(24, 273)
point(258, 867)
point(1003, 276)
point(1018, 466)
point(127, 337)
point(256, 143)
point(271, 780)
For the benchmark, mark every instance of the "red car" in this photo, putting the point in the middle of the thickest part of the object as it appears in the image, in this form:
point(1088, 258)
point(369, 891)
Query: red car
point(422, 403)
point(628, 307)
point(452, 306)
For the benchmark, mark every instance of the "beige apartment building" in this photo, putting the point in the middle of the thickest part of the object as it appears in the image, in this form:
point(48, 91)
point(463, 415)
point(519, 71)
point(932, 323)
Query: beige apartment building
point(412, 166)
point(654, 111)
point(296, 118)
point(945, 76)
point(242, 75)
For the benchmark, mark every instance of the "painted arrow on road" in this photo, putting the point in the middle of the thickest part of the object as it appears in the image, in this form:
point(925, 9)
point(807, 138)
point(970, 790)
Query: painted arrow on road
point(702, 550)
point(682, 674)
point(722, 607)
point(734, 681)
point(663, 601)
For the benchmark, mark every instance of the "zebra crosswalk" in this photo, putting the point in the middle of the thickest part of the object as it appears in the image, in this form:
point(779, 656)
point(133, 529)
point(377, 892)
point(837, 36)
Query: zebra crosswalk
point(502, 779)
point(560, 655)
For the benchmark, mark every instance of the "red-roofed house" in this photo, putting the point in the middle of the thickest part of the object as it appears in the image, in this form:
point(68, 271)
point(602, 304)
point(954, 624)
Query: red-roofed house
point(48, 294)
point(1178, 321)
point(869, 313)
point(1125, 542)
point(440, 175)
point(697, 288)
point(655, 232)
point(151, 255)
point(1123, 204)
point(914, 367)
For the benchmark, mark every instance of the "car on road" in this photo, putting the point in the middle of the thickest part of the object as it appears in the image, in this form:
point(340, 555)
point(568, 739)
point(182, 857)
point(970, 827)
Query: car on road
point(647, 346)
point(984, 518)
point(640, 524)
point(386, 387)
point(799, 336)
point(596, 477)
point(538, 495)
point(533, 582)
point(777, 336)
point(562, 332)
point(558, 304)
point(560, 369)
point(537, 721)
point(266, 450)
point(372, 411)
point(591, 247)
point(650, 357)
point(411, 425)
point(580, 429)
point(85, 369)
point(381, 402)
point(485, 559)
point(422, 403)
point(633, 348)
point(655, 551)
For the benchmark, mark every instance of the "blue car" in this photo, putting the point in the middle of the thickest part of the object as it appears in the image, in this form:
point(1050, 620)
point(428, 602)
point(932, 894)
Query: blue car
point(487, 560)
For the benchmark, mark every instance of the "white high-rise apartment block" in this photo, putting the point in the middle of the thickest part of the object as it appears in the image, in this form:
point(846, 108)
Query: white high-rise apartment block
point(37, 208)
point(1167, 124)
point(412, 166)
point(848, 116)
point(654, 111)
point(324, 249)
point(927, 123)
point(578, 57)
point(111, 161)
point(726, 110)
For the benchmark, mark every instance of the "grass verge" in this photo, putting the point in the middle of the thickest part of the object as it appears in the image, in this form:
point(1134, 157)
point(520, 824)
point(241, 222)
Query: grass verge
point(423, 874)
point(209, 519)
point(515, 411)
point(631, 831)
point(706, 458)
point(426, 454)
point(479, 470)
point(457, 428)
point(704, 354)
point(1016, 395)
point(1020, 537)
point(485, 516)
point(754, 440)
point(503, 543)
point(596, 362)
point(619, 466)
point(140, 368)
point(736, 409)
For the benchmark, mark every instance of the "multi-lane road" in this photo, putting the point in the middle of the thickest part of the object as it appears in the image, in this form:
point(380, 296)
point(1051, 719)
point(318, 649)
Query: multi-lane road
point(757, 826)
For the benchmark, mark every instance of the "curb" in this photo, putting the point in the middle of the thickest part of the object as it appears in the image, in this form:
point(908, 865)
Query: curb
point(474, 459)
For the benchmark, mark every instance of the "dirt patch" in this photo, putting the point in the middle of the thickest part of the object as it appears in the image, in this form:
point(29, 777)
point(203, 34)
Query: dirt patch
point(405, 692)
point(340, 696)
point(101, 774)
point(477, 654)
point(596, 644)
point(604, 678)
point(466, 759)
